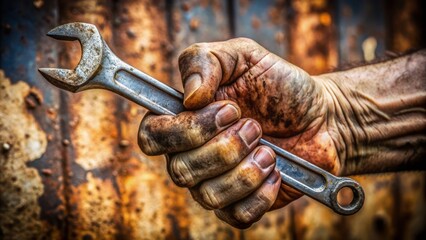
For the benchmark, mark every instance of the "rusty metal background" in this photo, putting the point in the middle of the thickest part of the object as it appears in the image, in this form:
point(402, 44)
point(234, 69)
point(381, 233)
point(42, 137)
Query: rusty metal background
point(70, 167)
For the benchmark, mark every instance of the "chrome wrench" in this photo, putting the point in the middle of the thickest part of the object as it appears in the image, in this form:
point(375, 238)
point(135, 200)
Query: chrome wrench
point(100, 68)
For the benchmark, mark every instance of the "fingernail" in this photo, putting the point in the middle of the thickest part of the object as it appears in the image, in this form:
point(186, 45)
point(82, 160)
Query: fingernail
point(264, 158)
point(192, 83)
point(273, 177)
point(249, 132)
point(227, 115)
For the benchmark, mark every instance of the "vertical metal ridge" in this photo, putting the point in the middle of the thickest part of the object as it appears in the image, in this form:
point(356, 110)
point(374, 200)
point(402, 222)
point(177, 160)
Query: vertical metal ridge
point(66, 152)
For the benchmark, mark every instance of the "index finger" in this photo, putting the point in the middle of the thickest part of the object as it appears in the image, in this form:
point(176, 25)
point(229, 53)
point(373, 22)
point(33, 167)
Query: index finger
point(187, 130)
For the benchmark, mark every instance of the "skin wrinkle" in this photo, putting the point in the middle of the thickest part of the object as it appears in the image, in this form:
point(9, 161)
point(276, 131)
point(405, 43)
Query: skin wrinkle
point(342, 146)
point(209, 198)
point(228, 92)
point(350, 111)
point(155, 137)
point(222, 65)
point(379, 120)
point(217, 154)
point(248, 176)
point(222, 73)
point(233, 212)
point(234, 69)
point(304, 96)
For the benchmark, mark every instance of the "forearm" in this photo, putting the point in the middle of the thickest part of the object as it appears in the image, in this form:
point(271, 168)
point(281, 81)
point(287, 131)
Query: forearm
point(377, 115)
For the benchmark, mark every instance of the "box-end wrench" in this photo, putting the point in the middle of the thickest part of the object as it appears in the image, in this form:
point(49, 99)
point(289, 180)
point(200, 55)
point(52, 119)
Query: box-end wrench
point(100, 68)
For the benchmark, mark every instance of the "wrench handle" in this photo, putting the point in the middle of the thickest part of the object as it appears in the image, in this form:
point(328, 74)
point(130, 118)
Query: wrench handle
point(296, 172)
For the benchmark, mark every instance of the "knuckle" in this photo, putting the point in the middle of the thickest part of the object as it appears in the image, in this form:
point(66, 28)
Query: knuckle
point(263, 201)
point(248, 175)
point(209, 197)
point(246, 40)
point(145, 145)
point(245, 216)
point(199, 46)
point(145, 141)
point(194, 135)
point(181, 172)
point(227, 152)
point(192, 51)
point(253, 209)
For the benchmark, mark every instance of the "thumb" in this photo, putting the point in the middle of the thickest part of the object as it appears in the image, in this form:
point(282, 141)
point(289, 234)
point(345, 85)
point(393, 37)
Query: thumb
point(201, 73)
point(206, 66)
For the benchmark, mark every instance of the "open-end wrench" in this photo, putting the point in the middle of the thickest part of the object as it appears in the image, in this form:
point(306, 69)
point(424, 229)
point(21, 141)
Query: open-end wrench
point(100, 68)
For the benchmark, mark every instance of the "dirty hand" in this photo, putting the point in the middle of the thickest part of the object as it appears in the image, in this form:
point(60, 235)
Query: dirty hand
point(235, 91)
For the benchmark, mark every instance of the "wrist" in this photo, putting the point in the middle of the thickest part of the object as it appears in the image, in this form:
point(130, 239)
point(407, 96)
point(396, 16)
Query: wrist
point(339, 119)
point(376, 115)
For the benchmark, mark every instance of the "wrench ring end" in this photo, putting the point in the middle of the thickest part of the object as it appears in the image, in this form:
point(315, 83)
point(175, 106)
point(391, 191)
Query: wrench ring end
point(357, 201)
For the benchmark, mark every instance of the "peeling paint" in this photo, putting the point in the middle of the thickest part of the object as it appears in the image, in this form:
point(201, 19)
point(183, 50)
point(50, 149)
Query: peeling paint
point(20, 185)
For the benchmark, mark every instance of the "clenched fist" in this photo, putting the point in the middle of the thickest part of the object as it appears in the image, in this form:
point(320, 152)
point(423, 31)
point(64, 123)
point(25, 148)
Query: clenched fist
point(237, 92)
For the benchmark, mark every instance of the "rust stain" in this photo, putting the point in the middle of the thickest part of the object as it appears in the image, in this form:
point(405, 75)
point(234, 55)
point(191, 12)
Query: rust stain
point(95, 132)
point(312, 45)
point(38, 3)
point(194, 23)
point(407, 28)
point(274, 225)
point(375, 219)
point(143, 200)
point(315, 221)
point(255, 22)
point(413, 207)
point(95, 217)
point(34, 98)
point(22, 141)
point(205, 225)
point(93, 200)
point(149, 47)
point(152, 206)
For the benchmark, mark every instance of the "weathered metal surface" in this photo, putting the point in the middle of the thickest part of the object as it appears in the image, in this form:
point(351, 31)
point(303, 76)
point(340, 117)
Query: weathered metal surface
point(377, 219)
point(411, 211)
point(266, 22)
point(21, 141)
point(195, 21)
point(361, 29)
point(312, 43)
point(405, 21)
point(153, 206)
point(199, 21)
point(405, 32)
point(263, 21)
point(131, 196)
point(37, 180)
point(91, 138)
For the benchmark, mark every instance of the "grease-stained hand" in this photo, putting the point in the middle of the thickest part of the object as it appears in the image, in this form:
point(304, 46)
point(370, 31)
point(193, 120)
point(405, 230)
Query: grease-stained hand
point(236, 92)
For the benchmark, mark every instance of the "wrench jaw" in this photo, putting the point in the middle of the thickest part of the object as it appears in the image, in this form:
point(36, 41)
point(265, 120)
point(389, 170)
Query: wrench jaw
point(92, 50)
point(62, 78)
